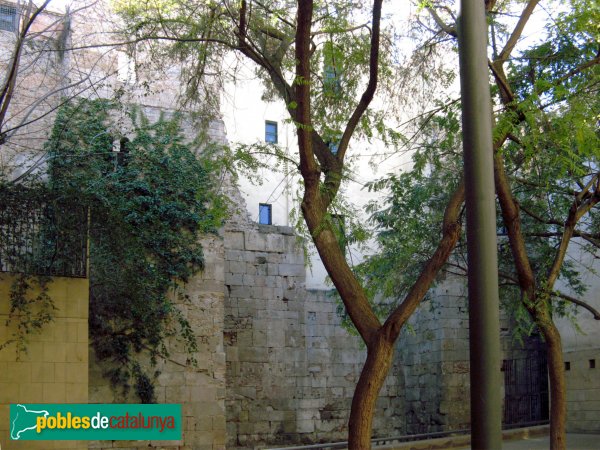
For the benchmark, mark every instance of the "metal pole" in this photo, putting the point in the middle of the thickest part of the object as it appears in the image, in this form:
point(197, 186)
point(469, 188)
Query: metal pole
point(484, 323)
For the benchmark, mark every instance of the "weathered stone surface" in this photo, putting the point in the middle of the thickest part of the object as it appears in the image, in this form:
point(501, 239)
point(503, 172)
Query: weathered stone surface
point(291, 379)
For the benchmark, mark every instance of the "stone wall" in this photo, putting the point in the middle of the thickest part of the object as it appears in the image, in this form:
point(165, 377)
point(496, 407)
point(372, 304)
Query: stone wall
point(581, 345)
point(583, 391)
point(434, 353)
point(55, 367)
point(201, 388)
point(291, 367)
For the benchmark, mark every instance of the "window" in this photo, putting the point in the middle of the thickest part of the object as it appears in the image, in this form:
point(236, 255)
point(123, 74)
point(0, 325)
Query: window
point(8, 18)
point(332, 140)
point(567, 365)
point(333, 146)
point(123, 154)
point(592, 363)
point(332, 59)
point(271, 132)
point(332, 86)
point(264, 214)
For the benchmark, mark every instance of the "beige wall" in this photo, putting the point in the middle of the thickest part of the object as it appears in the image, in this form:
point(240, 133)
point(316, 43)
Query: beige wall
point(55, 367)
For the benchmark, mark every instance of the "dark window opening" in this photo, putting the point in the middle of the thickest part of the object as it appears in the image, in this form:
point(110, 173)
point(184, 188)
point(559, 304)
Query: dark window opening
point(8, 18)
point(592, 363)
point(567, 365)
point(123, 154)
point(271, 132)
point(265, 214)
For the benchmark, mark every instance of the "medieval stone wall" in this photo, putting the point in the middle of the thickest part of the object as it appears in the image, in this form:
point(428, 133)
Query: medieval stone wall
point(434, 353)
point(200, 388)
point(291, 367)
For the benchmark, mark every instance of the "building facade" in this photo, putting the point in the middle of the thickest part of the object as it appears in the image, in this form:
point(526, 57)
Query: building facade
point(275, 366)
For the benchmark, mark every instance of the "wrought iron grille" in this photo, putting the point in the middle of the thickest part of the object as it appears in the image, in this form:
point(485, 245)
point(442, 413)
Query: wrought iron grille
point(526, 389)
point(42, 234)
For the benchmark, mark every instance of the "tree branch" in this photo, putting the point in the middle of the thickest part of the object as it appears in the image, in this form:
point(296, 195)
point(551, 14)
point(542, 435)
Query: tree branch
point(578, 209)
point(518, 30)
point(448, 29)
point(450, 233)
point(9, 86)
point(371, 86)
point(578, 302)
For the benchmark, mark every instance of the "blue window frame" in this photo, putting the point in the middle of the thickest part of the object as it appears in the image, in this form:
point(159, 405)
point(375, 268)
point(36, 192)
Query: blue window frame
point(265, 214)
point(8, 18)
point(271, 132)
point(333, 146)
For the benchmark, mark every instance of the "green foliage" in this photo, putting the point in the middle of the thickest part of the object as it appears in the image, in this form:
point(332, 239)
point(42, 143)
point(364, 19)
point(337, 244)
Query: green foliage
point(148, 209)
point(31, 308)
point(552, 154)
point(409, 214)
point(199, 36)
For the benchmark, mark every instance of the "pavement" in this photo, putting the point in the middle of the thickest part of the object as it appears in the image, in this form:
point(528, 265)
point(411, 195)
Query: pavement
point(574, 442)
point(531, 438)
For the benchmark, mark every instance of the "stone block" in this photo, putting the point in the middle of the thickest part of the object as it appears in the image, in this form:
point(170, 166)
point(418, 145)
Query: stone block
point(255, 241)
point(234, 240)
point(294, 270)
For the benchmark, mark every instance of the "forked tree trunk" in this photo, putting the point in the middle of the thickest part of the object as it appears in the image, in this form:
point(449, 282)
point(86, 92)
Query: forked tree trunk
point(372, 377)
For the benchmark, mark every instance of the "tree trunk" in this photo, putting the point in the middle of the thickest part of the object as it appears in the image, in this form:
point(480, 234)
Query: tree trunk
point(372, 377)
point(558, 388)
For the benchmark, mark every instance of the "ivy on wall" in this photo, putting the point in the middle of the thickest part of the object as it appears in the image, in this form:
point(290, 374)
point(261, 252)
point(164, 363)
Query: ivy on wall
point(149, 204)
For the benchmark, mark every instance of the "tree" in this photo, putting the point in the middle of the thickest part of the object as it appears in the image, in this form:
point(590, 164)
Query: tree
point(286, 41)
point(546, 171)
point(42, 67)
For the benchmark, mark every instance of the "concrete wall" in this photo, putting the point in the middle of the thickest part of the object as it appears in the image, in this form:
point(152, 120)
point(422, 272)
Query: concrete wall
point(291, 367)
point(55, 367)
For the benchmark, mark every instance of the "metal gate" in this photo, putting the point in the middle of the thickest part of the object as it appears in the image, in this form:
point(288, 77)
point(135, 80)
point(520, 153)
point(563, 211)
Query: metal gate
point(526, 389)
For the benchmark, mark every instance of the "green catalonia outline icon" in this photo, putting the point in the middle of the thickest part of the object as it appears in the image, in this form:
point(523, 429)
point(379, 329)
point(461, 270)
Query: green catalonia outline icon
point(25, 412)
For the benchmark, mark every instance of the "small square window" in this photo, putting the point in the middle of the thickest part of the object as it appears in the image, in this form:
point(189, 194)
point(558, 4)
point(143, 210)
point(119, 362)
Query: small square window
point(592, 363)
point(567, 365)
point(264, 214)
point(333, 147)
point(271, 132)
point(8, 18)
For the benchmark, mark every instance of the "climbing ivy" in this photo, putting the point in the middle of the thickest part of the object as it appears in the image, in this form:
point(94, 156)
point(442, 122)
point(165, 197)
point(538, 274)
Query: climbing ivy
point(31, 308)
point(149, 204)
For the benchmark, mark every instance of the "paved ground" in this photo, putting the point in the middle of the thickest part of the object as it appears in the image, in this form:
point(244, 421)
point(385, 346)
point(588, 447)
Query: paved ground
point(532, 438)
point(574, 442)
